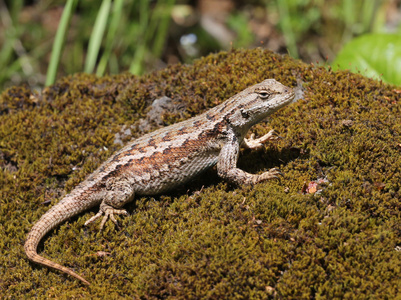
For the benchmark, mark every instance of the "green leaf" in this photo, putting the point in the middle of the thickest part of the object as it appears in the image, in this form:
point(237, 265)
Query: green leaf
point(59, 41)
point(373, 55)
point(97, 36)
point(115, 18)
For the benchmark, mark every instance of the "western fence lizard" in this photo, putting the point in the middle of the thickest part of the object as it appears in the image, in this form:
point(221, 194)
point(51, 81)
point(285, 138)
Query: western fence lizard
point(163, 159)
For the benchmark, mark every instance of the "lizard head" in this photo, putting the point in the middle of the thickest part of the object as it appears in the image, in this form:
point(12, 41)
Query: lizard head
point(257, 102)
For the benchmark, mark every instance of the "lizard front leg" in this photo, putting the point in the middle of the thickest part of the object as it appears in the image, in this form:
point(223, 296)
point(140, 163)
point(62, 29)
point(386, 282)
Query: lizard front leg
point(118, 192)
point(227, 167)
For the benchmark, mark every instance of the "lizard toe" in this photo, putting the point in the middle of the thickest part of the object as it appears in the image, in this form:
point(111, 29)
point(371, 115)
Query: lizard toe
point(107, 212)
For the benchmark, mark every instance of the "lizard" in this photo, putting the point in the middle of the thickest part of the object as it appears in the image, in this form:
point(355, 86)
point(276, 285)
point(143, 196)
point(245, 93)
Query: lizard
point(163, 159)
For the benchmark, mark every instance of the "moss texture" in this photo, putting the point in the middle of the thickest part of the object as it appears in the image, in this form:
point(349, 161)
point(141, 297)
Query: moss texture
point(210, 239)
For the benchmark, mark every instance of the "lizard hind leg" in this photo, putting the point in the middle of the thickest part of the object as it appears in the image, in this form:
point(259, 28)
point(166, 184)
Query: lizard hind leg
point(118, 192)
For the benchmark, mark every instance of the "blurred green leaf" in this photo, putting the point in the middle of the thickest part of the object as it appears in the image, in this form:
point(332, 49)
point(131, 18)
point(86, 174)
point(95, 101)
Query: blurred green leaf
point(115, 18)
point(152, 32)
point(59, 41)
point(239, 24)
point(162, 29)
point(374, 55)
point(288, 30)
point(97, 36)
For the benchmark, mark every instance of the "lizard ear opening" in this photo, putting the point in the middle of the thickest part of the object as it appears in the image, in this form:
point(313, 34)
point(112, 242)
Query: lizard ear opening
point(244, 113)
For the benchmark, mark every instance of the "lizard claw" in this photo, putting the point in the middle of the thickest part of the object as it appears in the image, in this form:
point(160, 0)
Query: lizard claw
point(276, 172)
point(271, 174)
point(108, 212)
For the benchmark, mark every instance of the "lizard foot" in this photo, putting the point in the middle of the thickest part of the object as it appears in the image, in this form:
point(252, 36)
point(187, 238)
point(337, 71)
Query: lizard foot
point(108, 212)
point(271, 174)
point(253, 143)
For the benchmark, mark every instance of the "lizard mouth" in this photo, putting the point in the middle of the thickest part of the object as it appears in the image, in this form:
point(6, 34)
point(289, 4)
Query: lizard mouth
point(282, 100)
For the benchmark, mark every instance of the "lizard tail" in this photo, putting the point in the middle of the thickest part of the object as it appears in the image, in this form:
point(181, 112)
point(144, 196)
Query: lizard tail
point(56, 215)
point(30, 250)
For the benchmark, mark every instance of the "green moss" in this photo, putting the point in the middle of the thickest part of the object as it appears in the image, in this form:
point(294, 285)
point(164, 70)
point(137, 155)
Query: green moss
point(219, 241)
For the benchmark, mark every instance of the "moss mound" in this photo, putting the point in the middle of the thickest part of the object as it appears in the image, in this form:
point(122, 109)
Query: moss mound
point(329, 229)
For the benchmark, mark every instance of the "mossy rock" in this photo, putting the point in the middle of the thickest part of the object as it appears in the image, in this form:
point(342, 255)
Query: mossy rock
point(287, 239)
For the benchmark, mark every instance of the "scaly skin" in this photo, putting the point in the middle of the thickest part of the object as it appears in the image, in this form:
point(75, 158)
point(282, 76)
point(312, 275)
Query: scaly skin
point(168, 157)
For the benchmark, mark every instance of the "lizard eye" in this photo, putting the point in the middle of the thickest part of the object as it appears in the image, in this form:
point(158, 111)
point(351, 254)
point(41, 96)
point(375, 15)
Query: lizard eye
point(264, 94)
